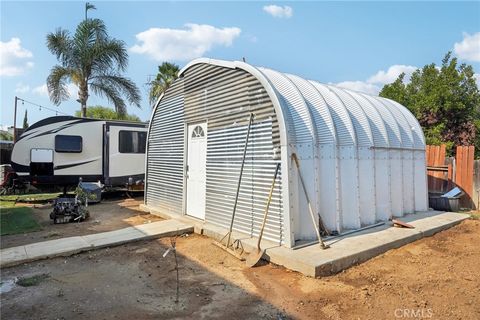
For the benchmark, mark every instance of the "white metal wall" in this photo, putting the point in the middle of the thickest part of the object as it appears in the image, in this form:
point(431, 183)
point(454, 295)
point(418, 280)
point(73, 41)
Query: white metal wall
point(369, 159)
point(224, 98)
point(362, 157)
point(165, 153)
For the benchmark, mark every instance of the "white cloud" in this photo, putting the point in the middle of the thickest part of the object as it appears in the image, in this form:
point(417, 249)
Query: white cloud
point(253, 39)
point(384, 77)
point(42, 90)
point(183, 44)
point(360, 86)
point(22, 88)
point(14, 59)
point(469, 48)
point(375, 83)
point(477, 78)
point(278, 12)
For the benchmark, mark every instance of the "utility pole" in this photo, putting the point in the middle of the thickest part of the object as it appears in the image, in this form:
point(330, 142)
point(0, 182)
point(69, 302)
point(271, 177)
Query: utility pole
point(15, 121)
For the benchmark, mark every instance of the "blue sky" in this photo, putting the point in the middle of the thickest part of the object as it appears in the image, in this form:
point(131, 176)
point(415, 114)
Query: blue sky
point(359, 45)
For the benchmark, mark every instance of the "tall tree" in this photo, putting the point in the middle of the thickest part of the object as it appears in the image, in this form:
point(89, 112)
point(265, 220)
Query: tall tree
point(25, 120)
point(167, 73)
point(100, 112)
point(91, 60)
point(445, 100)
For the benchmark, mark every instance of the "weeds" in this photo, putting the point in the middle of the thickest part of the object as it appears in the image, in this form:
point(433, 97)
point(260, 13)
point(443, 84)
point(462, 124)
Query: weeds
point(33, 280)
point(475, 216)
point(173, 243)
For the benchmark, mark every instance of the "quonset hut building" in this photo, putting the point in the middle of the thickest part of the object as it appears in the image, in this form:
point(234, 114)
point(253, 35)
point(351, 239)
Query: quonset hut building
point(362, 157)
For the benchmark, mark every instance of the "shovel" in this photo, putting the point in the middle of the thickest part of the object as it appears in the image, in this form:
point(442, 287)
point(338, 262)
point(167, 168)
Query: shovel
point(312, 215)
point(255, 256)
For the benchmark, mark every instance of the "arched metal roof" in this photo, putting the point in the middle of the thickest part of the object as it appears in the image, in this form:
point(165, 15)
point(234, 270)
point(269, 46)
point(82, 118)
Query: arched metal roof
point(324, 114)
point(362, 156)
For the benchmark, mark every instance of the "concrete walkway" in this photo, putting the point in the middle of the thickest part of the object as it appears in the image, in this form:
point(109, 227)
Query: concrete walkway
point(362, 246)
point(348, 250)
point(68, 246)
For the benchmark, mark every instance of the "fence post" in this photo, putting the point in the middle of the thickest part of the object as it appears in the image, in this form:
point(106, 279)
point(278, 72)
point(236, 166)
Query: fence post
point(476, 184)
point(464, 174)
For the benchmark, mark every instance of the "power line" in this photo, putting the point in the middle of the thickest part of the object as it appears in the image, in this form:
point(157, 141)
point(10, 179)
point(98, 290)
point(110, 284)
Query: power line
point(40, 106)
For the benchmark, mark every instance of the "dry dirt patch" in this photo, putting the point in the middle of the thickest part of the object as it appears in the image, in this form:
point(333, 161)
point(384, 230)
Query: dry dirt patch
point(105, 216)
point(433, 278)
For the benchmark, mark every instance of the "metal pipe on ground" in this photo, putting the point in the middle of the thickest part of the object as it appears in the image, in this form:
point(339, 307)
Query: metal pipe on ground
point(339, 236)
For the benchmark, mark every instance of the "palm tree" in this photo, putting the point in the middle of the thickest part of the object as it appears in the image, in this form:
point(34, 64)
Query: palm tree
point(91, 60)
point(167, 73)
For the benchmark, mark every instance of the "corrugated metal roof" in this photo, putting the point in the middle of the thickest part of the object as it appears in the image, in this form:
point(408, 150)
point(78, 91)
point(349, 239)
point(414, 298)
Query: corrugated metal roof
point(362, 156)
point(320, 113)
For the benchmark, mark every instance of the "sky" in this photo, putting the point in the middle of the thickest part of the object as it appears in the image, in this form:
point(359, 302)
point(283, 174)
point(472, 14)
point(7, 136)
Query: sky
point(357, 45)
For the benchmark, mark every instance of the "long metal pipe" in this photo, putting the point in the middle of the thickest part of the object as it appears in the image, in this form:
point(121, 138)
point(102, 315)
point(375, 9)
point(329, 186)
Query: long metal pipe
point(250, 120)
point(310, 210)
point(269, 200)
point(339, 236)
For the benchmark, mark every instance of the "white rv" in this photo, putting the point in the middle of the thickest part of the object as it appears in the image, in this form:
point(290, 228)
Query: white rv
point(61, 150)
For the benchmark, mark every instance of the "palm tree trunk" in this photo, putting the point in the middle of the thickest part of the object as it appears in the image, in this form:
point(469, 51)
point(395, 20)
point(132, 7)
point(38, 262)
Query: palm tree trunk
point(84, 109)
point(83, 96)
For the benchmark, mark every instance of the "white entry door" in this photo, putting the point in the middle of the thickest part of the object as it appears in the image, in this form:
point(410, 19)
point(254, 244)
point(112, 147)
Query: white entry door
point(196, 170)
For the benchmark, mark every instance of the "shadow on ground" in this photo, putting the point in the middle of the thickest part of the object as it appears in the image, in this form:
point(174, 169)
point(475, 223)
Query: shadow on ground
point(128, 282)
point(436, 277)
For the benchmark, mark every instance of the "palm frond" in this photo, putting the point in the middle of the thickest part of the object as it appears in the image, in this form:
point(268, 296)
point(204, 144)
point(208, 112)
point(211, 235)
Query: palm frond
point(59, 43)
point(110, 54)
point(167, 74)
point(156, 90)
point(89, 6)
point(108, 91)
point(123, 86)
point(57, 84)
point(89, 31)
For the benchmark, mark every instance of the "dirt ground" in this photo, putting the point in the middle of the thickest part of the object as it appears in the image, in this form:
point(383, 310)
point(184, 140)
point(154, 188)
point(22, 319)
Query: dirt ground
point(434, 278)
point(108, 215)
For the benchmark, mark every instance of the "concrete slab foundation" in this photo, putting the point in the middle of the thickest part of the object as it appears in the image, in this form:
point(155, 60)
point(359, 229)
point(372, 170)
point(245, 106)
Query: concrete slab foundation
point(344, 251)
point(72, 245)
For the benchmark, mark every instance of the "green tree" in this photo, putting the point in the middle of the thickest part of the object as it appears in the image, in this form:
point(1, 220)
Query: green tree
point(100, 112)
point(91, 60)
point(445, 100)
point(5, 135)
point(25, 120)
point(167, 73)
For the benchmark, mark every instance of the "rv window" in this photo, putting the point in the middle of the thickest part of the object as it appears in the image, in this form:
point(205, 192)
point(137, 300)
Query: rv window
point(68, 143)
point(132, 141)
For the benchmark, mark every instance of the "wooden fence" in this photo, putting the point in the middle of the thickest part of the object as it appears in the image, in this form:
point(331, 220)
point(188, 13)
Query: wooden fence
point(462, 171)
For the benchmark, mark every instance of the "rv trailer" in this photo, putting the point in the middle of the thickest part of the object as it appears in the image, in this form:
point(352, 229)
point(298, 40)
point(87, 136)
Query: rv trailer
point(64, 150)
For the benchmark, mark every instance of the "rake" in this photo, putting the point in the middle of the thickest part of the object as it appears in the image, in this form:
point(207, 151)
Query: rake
point(236, 244)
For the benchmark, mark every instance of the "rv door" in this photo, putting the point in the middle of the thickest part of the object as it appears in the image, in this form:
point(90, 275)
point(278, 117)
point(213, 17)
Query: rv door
point(126, 153)
point(41, 162)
